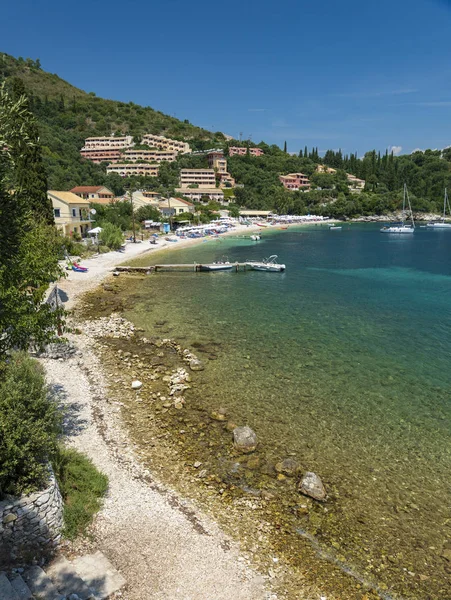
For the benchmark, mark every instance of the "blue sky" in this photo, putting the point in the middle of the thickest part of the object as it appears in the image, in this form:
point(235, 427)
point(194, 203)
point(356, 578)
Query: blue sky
point(330, 74)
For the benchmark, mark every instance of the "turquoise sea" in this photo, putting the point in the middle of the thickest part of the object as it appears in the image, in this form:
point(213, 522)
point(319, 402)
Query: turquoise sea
point(343, 361)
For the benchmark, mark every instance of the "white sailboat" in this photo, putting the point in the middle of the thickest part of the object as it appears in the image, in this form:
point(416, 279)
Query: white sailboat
point(401, 227)
point(442, 224)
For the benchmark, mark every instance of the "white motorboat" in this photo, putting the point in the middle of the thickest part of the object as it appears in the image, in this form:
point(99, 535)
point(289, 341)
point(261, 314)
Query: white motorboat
point(442, 224)
point(402, 227)
point(267, 264)
point(256, 237)
point(216, 267)
point(334, 227)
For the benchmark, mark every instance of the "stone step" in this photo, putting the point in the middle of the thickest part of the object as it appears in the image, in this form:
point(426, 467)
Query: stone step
point(6, 589)
point(67, 580)
point(20, 587)
point(41, 585)
point(99, 574)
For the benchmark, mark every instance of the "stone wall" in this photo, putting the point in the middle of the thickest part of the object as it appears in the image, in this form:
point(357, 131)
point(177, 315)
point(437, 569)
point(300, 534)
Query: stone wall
point(30, 526)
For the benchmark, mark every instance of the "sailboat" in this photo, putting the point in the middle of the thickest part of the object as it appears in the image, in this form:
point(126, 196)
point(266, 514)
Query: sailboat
point(442, 224)
point(401, 227)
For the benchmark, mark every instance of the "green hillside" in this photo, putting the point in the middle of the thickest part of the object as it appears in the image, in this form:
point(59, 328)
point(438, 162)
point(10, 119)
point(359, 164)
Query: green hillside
point(68, 115)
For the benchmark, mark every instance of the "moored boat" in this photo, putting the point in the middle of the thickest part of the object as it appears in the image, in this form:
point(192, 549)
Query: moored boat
point(267, 264)
point(442, 224)
point(216, 267)
point(402, 227)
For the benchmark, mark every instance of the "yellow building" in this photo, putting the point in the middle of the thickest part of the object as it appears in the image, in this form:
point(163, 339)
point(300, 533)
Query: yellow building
point(126, 170)
point(71, 212)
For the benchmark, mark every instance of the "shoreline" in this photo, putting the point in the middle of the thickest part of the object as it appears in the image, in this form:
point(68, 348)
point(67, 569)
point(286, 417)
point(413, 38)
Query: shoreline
point(173, 548)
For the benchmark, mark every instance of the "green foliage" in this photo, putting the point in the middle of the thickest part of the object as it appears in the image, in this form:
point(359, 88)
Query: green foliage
point(234, 211)
point(67, 115)
point(82, 487)
point(118, 213)
point(29, 246)
point(111, 236)
point(29, 425)
point(147, 213)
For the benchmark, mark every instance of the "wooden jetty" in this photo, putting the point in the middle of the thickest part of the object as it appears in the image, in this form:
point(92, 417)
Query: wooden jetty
point(194, 267)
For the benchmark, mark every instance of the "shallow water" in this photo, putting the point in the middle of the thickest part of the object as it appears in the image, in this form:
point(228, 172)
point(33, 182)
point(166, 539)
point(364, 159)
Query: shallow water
point(343, 360)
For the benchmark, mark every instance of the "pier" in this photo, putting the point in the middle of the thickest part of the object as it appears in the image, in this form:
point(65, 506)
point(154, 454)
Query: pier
point(193, 267)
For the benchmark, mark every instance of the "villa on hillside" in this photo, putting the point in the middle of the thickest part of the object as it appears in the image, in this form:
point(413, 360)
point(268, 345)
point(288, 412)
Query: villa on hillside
point(295, 181)
point(93, 192)
point(125, 170)
point(355, 183)
point(235, 150)
point(71, 212)
point(163, 143)
point(218, 162)
point(203, 194)
point(149, 155)
point(98, 155)
point(203, 178)
point(175, 206)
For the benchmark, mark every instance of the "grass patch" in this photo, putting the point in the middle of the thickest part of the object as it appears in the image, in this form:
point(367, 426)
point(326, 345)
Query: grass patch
point(82, 488)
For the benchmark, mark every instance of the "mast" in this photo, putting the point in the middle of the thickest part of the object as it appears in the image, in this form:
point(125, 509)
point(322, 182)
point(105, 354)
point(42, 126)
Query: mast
point(410, 207)
point(444, 204)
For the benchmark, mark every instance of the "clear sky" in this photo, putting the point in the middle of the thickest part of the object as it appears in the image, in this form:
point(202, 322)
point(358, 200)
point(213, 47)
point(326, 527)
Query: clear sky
point(351, 74)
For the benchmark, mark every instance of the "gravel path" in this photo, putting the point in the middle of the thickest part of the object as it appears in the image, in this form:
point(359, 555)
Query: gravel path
point(165, 547)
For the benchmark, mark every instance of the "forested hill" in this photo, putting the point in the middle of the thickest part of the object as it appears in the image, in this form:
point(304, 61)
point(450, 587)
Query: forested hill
point(68, 115)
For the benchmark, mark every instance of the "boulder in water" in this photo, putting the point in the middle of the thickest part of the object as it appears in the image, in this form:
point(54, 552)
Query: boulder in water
point(288, 467)
point(311, 485)
point(244, 439)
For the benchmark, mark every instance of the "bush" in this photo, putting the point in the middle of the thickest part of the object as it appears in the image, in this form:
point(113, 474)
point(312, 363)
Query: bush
point(111, 236)
point(29, 426)
point(82, 486)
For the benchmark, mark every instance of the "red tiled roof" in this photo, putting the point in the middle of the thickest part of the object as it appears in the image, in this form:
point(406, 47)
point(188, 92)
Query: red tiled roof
point(86, 189)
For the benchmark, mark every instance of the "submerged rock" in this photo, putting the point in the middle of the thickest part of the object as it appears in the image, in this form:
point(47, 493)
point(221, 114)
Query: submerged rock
point(136, 385)
point(219, 415)
point(196, 365)
point(311, 485)
point(244, 439)
point(288, 467)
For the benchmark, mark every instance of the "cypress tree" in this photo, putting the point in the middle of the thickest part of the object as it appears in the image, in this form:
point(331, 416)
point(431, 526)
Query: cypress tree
point(30, 181)
point(285, 147)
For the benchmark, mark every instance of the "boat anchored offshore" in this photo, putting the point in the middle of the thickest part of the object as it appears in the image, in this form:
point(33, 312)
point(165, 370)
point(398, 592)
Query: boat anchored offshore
point(334, 227)
point(256, 237)
point(442, 224)
point(267, 264)
point(401, 227)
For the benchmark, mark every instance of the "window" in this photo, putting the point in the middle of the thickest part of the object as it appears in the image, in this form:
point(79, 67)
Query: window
point(57, 212)
point(74, 212)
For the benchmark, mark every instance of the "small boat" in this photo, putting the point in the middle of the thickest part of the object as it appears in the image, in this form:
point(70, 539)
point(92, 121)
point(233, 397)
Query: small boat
point(401, 227)
point(284, 227)
point(442, 224)
point(334, 227)
point(79, 269)
point(217, 266)
point(267, 264)
point(256, 237)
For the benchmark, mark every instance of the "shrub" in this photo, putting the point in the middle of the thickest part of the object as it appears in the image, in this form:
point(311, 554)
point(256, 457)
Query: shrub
point(82, 486)
point(111, 236)
point(29, 426)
